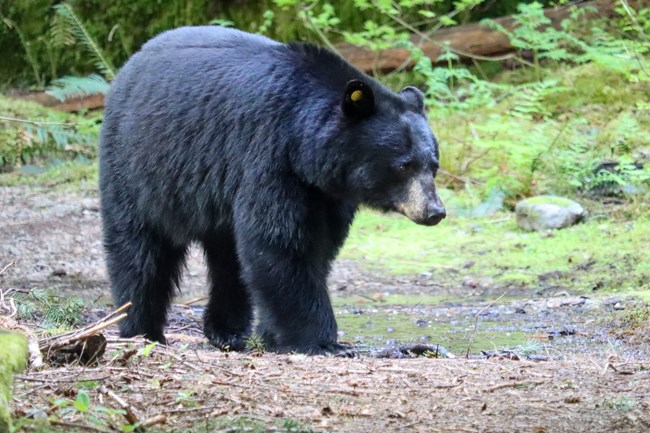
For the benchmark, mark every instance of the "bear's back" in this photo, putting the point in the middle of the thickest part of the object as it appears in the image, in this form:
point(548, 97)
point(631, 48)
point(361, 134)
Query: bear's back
point(207, 37)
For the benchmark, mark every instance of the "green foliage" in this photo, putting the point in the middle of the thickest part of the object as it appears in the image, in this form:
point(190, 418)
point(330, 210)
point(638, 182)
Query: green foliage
point(81, 34)
point(50, 306)
point(53, 138)
point(222, 22)
point(69, 87)
point(45, 49)
point(146, 351)
point(579, 98)
point(67, 29)
point(531, 97)
point(255, 343)
point(27, 46)
point(533, 32)
point(82, 407)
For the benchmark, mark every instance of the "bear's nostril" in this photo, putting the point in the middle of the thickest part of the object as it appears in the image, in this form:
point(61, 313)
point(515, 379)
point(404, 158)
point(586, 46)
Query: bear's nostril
point(436, 214)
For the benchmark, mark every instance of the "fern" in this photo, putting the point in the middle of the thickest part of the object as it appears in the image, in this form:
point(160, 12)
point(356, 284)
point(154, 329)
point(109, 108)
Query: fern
point(60, 33)
point(69, 87)
point(531, 99)
point(31, 58)
point(81, 34)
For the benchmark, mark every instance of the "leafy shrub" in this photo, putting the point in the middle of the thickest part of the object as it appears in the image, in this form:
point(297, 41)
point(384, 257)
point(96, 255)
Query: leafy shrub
point(27, 142)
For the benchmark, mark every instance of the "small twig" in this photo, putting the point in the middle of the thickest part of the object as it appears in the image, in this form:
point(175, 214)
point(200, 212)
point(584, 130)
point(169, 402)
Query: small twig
point(458, 379)
point(3, 270)
point(471, 340)
point(184, 362)
point(34, 122)
point(195, 300)
point(129, 414)
point(459, 178)
point(409, 425)
point(514, 385)
point(9, 305)
point(613, 367)
point(35, 354)
point(67, 379)
point(154, 420)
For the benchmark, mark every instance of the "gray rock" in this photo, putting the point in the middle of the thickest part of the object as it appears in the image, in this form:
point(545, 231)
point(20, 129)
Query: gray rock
point(548, 212)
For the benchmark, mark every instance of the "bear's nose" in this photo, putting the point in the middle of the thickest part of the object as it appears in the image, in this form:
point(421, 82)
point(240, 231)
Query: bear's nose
point(435, 214)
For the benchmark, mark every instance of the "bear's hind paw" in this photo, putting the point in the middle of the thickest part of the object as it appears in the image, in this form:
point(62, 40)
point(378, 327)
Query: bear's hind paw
point(330, 349)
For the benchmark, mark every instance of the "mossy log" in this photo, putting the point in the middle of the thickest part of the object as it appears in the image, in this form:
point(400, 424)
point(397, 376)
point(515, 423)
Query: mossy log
point(13, 358)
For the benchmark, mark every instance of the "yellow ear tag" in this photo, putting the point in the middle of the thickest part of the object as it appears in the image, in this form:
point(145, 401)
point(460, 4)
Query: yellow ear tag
point(356, 96)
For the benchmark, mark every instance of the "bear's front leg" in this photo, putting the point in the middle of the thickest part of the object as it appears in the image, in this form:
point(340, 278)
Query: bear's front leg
point(293, 306)
point(286, 276)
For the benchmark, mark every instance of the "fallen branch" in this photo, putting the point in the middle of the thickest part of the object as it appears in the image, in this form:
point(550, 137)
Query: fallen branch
point(85, 344)
point(53, 343)
point(86, 102)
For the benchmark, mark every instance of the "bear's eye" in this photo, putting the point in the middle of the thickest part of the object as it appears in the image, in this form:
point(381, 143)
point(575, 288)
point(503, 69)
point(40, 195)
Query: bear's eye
point(407, 166)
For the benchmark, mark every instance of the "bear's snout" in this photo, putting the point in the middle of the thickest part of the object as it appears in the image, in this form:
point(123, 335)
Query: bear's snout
point(421, 203)
point(435, 214)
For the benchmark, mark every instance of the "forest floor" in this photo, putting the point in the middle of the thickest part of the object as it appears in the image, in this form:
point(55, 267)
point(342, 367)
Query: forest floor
point(550, 360)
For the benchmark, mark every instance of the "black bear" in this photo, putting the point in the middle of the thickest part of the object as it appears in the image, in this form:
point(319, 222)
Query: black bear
point(261, 152)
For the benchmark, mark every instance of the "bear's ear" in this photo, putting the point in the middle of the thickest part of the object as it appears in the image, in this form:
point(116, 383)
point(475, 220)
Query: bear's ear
point(413, 96)
point(358, 100)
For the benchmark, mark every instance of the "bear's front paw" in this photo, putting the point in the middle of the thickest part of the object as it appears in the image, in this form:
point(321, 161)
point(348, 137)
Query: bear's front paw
point(228, 341)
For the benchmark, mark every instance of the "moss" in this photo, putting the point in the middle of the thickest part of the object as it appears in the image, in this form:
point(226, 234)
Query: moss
point(13, 358)
point(549, 199)
point(591, 84)
point(608, 253)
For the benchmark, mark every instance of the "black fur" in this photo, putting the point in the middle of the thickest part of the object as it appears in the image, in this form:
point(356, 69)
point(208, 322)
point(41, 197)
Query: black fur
point(249, 147)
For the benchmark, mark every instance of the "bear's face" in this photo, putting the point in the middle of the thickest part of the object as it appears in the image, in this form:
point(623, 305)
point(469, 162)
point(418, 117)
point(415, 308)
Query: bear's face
point(396, 155)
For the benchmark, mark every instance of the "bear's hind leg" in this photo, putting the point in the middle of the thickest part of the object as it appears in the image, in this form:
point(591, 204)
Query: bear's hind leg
point(144, 269)
point(229, 314)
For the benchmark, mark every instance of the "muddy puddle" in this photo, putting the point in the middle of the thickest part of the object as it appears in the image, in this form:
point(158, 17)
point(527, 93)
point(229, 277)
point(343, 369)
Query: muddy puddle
point(548, 328)
point(555, 327)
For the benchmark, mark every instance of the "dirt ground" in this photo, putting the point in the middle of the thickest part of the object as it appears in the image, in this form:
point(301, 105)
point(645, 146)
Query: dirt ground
point(588, 379)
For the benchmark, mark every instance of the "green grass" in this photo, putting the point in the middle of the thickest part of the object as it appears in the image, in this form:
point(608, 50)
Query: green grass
point(76, 175)
point(606, 253)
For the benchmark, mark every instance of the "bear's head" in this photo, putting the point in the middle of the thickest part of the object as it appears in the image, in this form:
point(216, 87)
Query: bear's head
point(392, 153)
